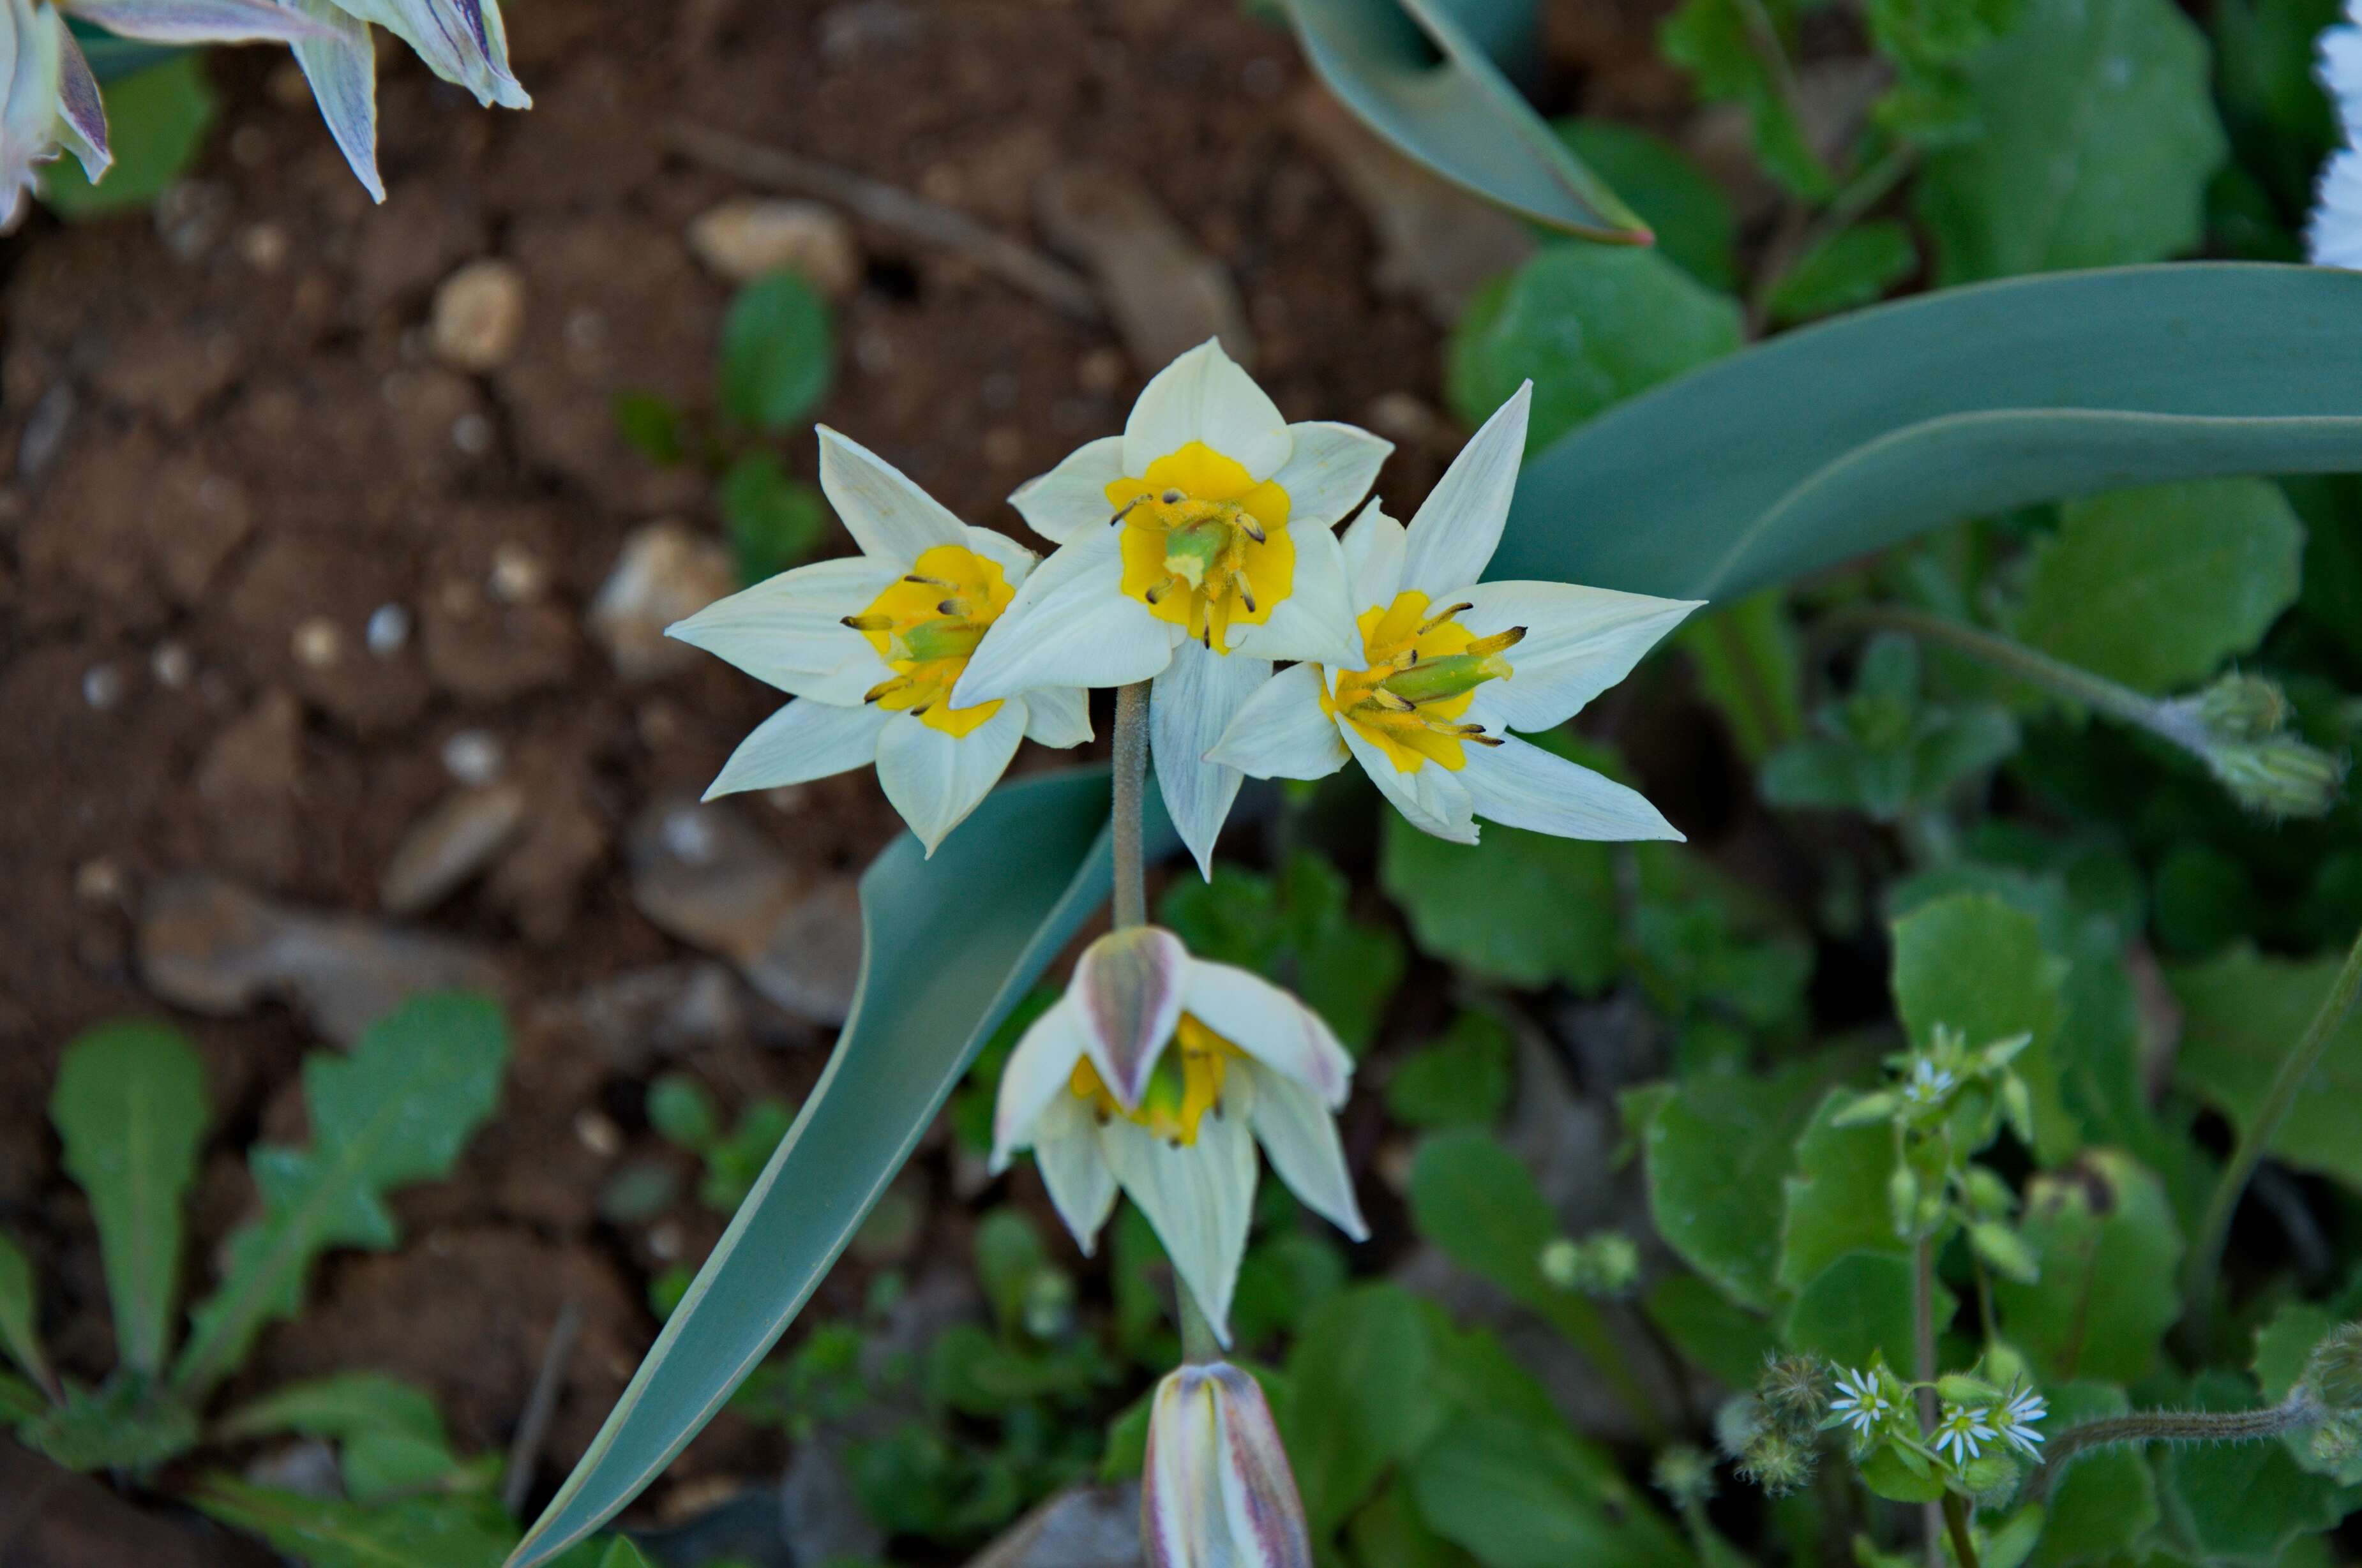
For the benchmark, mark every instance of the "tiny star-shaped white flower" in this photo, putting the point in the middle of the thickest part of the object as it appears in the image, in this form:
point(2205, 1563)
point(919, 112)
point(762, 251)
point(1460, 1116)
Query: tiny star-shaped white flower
point(1963, 1432)
point(1927, 1083)
point(1862, 1403)
point(2014, 1417)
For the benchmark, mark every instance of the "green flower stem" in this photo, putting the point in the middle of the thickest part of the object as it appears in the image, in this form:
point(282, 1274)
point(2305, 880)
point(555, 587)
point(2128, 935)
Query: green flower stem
point(2077, 685)
point(2298, 1411)
point(2206, 1257)
point(1956, 1520)
point(1932, 1517)
point(1131, 779)
point(1198, 1342)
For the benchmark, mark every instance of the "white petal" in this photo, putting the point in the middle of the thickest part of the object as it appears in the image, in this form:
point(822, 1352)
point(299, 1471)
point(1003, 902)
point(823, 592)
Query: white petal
point(203, 21)
point(1204, 396)
point(793, 624)
point(1216, 1490)
point(1263, 1020)
point(2340, 69)
point(1316, 619)
point(1458, 525)
point(1073, 496)
point(934, 780)
point(1330, 469)
point(342, 71)
point(1522, 785)
point(1282, 731)
point(1299, 1137)
point(891, 518)
point(803, 740)
point(1200, 1196)
point(1034, 1077)
point(1261, 1509)
point(2334, 237)
point(847, 686)
point(1579, 641)
point(1070, 625)
point(1374, 547)
point(1082, 1187)
point(1127, 991)
point(1057, 716)
point(460, 40)
point(81, 112)
point(1189, 705)
point(1015, 561)
point(1433, 800)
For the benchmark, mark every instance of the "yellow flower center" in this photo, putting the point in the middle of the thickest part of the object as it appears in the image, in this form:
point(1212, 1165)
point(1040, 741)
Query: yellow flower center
point(1205, 545)
point(1187, 1084)
point(925, 625)
point(1424, 671)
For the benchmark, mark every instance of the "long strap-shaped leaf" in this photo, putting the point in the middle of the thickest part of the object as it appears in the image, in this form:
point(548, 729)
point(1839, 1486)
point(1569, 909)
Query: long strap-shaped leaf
point(1853, 436)
point(949, 946)
point(1414, 73)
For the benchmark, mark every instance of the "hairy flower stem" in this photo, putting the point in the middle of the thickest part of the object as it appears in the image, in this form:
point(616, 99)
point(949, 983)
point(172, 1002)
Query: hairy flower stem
point(1932, 1517)
point(2077, 685)
point(2295, 1413)
point(2206, 1257)
point(1131, 777)
point(1956, 1521)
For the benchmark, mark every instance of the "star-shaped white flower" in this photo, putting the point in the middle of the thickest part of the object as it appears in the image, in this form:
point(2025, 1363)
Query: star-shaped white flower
point(871, 646)
point(1928, 1084)
point(51, 104)
point(1193, 549)
point(1962, 1433)
point(2013, 1418)
point(1158, 1072)
point(1449, 666)
point(1861, 1402)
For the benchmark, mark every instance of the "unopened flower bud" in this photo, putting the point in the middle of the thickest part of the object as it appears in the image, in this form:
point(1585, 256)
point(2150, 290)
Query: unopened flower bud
point(1049, 1303)
point(1778, 1464)
point(1684, 1474)
point(1796, 1387)
point(2333, 1372)
point(2336, 1444)
point(1217, 1491)
point(2241, 707)
point(2279, 777)
point(1560, 1262)
point(1606, 1264)
point(1737, 1422)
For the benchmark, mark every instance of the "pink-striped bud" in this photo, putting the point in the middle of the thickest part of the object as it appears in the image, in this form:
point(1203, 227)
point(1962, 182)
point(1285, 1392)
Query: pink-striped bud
point(1217, 1492)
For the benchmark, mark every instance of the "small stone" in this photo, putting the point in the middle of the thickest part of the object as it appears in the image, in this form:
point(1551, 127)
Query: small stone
point(447, 848)
point(518, 575)
point(1100, 372)
point(1401, 417)
point(387, 630)
point(247, 784)
point(1004, 447)
point(101, 687)
point(599, 1133)
point(478, 315)
point(1093, 1526)
point(472, 757)
point(667, 1241)
point(98, 882)
point(264, 247)
point(665, 573)
point(173, 666)
point(747, 236)
point(472, 434)
point(318, 644)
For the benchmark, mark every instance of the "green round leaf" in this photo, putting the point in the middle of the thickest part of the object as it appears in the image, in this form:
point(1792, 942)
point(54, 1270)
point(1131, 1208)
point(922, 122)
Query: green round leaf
point(779, 352)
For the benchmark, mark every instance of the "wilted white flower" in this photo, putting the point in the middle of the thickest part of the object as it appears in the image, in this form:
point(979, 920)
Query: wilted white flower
point(1193, 549)
point(1158, 1073)
point(52, 103)
point(1445, 666)
point(871, 646)
point(1861, 1402)
point(1217, 1491)
point(1962, 1433)
point(2014, 1417)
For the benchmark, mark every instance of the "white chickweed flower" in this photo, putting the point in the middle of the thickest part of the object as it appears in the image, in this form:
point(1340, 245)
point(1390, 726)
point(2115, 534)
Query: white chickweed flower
point(1194, 549)
point(1217, 1491)
point(871, 645)
point(1862, 1403)
point(1926, 1084)
point(2014, 1417)
point(1962, 1433)
point(1158, 1072)
point(1446, 666)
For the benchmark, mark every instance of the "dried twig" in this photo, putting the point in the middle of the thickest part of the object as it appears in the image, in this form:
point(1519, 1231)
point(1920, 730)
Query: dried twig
point(533, 1426)
point(889, 207)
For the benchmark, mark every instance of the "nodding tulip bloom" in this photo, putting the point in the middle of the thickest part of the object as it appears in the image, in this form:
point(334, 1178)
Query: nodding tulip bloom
point(462, 41)
point(871, 645)
point(2334, 237)
point(1447, 666)
point(1193, 549)
point(1157, 1074)
point(1217, 1491)
point(52, 103)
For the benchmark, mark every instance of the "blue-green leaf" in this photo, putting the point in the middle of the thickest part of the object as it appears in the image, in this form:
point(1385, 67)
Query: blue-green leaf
point(130, 1112)
point(949, 946)
point(1866, 430)
point(1414, 73)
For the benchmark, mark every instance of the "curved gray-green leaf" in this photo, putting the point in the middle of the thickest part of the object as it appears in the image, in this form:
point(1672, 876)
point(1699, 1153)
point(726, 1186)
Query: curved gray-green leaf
point(1850, 436)
point(948, 947)
point(1414, 73)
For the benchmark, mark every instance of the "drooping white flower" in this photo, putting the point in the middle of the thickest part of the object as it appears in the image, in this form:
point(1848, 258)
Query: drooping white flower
point(871, 645)
point(1962, 1433)
point(1862, 1403)
point(2013, 1418)
point(1193, 549)
point(1157, 1074)
point(2334, 235)
point(1450, 665)
point(52, 103)
point(1217, 1491)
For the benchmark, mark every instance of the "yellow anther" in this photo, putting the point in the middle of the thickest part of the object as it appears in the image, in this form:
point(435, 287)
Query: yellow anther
point(925, 625)
point(1424, 669)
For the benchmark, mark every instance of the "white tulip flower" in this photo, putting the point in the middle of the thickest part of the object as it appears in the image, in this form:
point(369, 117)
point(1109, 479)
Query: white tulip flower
point(52, 103)
point(1217, 1491)
point(1157, 1074)
point(1448, 665)
point(1193, 549)
point(871, 645)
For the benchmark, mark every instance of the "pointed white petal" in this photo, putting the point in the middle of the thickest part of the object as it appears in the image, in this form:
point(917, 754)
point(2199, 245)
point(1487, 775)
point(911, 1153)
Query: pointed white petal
point(460, 40)
point(1373, 545)
point(1204, 396)
point(1188, 708)
point(1522, 785)
point(793, 623)
point(1579, 641)
point(847, 686)
point(1316, 619)
point(934, 780)
point(1035, 1077)
point(1070, 625)
point(203, 21)
point(1433, 800)
point(1217, 1490)
point(82, 114)
point(1127, 991)
point(1282, 731)
point(1200, 1196)
point(1180, 1515)
point(891, 518)
point(342, 69)
point(803, 740)
point(1082, 1187)
point(1263, 1020)
point(1261, 1509)
point(1073, 496)
point(1059, 717)
point(1299, 1138)
point(1332, 468)
point(1459, 526)
point(2333, 237)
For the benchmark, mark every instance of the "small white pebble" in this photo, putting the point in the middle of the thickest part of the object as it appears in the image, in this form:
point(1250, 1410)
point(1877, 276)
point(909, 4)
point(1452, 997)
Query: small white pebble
point(101, 687)
point(599, 1133)
point(518, 577)
point(264, 247)
point(172, 664)
point(788, 800)
point(472, 433)
point(318, 642)
point(472, 757)
point(689, 836)
point(667, 1241)
point(874, 351)
point(387, 630)
point(98, 882)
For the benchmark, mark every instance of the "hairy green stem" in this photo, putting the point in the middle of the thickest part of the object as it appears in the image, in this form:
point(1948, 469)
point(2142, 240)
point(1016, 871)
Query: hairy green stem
point(2298, 1410)
point(1956, 1520)
point(1130, 769)
point(2077, 685)
point(2206, 1257)
point(1922, 1357)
